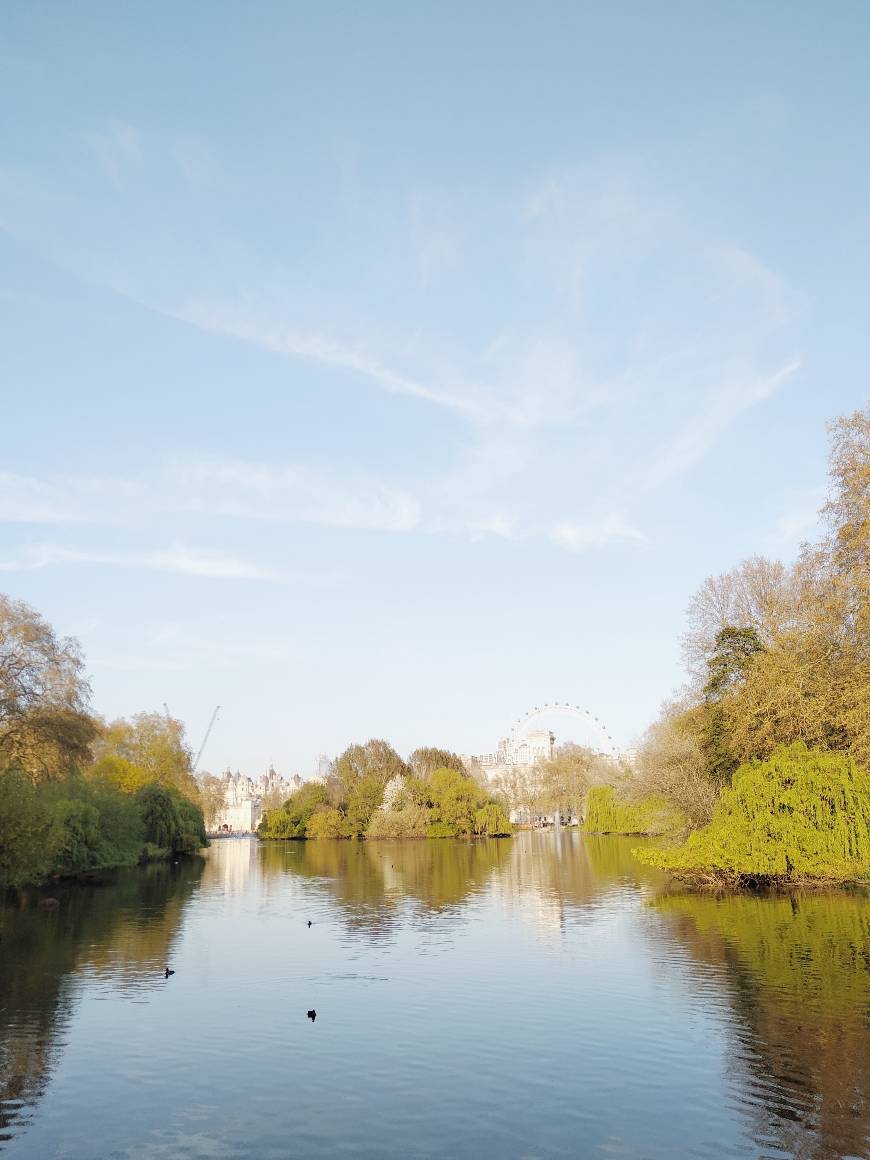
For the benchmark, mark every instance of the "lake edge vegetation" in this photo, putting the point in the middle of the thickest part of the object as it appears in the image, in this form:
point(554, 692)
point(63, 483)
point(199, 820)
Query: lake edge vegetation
point(371, 792)
point(765, 752)
point(80, 796)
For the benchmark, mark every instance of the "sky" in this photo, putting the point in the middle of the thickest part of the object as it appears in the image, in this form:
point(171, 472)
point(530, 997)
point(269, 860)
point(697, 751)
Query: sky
point(387, 370)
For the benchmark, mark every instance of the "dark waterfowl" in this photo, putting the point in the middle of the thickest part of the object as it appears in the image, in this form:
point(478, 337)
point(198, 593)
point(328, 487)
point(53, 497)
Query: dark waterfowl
point(312, 1015)
point(309, 922)
point(167, 972)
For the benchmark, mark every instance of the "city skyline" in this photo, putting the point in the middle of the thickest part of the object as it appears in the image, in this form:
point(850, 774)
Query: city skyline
point(387, 373)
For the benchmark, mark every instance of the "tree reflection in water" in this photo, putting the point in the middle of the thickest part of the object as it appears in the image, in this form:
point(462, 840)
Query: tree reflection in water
point(789, 977)
point(122, 933)
point(797, 973)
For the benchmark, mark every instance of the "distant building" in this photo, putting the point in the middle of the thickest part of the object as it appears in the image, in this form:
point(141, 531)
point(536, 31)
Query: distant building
point(244, 799)
point(537, 745)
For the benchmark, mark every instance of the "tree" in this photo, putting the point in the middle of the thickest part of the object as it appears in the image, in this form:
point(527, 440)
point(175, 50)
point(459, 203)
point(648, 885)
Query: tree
point(171, 822)
point(671, 765)
point(25, 825)
point(802, 814)
point(120, 773)
point(425, 760)
point(375, 759)
point(292, 819)
point(566, 777)
point(156, 744)
point(366, 795)
point(45, 727)
point(757, 594)
point(212, 795)
point(847, 511)
point(733, 650)
point(491, 821)
point(455, 801)
point(327, 822)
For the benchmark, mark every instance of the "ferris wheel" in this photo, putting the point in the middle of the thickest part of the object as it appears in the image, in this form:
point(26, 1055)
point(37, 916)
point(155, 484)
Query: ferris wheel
point(565, 709)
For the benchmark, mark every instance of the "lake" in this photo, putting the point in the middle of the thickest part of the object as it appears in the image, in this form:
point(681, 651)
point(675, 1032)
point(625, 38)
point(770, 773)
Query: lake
point(535, 997)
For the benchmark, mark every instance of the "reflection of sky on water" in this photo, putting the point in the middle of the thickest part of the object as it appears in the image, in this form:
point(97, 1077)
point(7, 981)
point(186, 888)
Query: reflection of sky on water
point(541, 996)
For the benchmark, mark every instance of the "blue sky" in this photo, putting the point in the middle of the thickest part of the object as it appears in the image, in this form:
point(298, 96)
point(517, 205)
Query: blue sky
point(386, 370)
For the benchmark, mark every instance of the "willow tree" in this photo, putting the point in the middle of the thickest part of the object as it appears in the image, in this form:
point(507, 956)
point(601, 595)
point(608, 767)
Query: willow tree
point(803, 814)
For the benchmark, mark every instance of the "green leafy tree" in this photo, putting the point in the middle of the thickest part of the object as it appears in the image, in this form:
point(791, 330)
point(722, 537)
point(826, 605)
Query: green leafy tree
point(171, 822)
point(456, 800)
point(492, 821)
point(366, 795)
point(328, 822)
point(155, 743)
point(802, 814)
point(609, 812)
point(425, 760)
point(733, 651)
point(291, 820)
point(375, 759)
point(25, 826)
point(120, 773)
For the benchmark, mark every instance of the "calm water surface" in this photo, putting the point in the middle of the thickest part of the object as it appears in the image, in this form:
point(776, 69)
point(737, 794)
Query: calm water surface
point(544, 996)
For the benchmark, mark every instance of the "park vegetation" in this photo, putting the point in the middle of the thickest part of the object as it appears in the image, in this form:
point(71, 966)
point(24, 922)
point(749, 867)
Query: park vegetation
point(765, 752)
point(79, 795)
point(371, 792)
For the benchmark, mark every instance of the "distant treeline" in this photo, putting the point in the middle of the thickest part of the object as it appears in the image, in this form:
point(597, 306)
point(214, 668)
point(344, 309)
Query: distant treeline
point(370, 792)
point(78, 794)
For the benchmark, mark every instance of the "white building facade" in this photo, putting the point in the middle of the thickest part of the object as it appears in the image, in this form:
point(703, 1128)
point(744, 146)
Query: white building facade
point(244, 800)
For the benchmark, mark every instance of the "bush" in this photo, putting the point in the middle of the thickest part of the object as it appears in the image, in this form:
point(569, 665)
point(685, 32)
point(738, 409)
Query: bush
point(327, 822)
point(25, 824)
point(290, 821)
point(608, 813)
point(410, 821)
point(441, 830)
point(491, 820)
point(803, 814)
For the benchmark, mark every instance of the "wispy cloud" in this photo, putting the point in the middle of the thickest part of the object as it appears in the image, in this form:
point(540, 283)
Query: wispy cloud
point(179, 558)
point(168, 646)
point(612, 529)
point(320, 348)
point(593, 342)
point(693, 441)
point(247, 490)
point(240, 489)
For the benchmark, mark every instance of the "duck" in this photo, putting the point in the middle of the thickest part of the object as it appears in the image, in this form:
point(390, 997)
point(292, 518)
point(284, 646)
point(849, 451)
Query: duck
point(309, 922)
point(167, 972)
point(312, 1015)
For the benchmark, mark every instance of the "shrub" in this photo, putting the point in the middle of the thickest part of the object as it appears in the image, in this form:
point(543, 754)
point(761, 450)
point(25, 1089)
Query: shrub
point(291, 820)
point(410, 821)
point(25, 825)
point(328, 822)
point(803, 814)
point(491, 820)
point(441, 830)
point(608, 813)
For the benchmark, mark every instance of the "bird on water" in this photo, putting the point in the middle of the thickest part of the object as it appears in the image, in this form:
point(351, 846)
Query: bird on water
point(312, 1015)
point(167, 972)
point(309, 922)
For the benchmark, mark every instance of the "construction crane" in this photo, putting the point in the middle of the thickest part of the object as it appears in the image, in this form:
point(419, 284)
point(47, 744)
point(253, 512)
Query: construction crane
point(205, 739)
